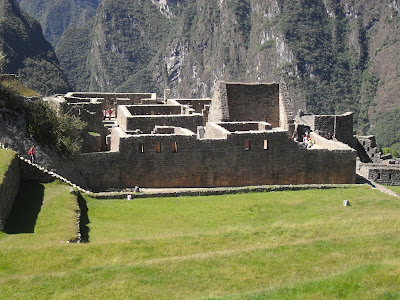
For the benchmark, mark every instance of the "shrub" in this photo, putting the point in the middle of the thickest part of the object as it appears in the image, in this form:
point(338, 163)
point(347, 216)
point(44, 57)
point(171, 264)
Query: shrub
point(48, 126)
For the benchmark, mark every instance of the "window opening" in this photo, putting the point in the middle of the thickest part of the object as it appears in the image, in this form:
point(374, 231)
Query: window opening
point(265, 144)
point(175, 147)
point(141, 148)
point(158, 147)
point(379, 175)
point(248, 145)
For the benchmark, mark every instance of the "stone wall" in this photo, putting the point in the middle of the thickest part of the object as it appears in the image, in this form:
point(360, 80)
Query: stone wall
point(344, 129)
point(146, 123)
point(133, 97)
point(142, 110)
point(382, 174)
point(9, 190)
point(367, 148)
point(286, 111)
point(272, 158)
point(92, 143)
point(219, 110)
point(197, 104)
point(254, 102)
point(340, 127)
point(245, 126)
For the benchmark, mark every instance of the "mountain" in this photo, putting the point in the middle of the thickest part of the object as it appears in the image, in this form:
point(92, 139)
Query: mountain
point(56, 16)
point(27, 53)
point(333, 55)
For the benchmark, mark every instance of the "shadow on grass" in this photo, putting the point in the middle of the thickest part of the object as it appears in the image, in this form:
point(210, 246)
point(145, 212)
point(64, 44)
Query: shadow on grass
point(83, 220)
point(26, 208)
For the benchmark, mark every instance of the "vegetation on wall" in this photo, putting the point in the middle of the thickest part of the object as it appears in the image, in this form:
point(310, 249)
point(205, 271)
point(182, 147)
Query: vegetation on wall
point(45, 124)
point(48, 126)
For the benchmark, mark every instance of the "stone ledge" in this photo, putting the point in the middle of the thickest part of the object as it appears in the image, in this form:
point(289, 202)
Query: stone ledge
point(165, 193)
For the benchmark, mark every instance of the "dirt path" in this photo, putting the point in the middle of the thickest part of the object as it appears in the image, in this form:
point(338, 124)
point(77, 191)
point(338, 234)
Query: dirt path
point(385, 190)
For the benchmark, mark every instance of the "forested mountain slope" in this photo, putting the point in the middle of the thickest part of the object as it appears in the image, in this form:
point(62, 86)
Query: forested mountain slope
point(56, 16)
point(334, 55)
point(26, 51)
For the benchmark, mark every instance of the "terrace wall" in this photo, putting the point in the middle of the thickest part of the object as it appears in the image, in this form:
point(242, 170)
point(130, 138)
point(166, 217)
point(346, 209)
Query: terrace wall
point(9, 190)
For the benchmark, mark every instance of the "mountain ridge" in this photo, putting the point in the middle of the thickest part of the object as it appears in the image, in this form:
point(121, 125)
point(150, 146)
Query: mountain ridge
point(27, 53)
point(333, 55)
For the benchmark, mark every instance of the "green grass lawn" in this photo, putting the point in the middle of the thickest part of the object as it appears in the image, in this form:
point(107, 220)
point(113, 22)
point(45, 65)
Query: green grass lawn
point(395, 189)
point(282, 245)
point(5, 160)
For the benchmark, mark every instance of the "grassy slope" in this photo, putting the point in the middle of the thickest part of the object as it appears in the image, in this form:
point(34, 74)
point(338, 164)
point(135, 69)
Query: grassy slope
point(5, 160)
point(282, 245)
point(395, 189)
point(26, 253)
point(17, 86)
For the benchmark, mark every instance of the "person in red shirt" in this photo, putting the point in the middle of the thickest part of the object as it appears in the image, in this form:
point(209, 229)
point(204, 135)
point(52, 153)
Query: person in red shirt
point(31, 153)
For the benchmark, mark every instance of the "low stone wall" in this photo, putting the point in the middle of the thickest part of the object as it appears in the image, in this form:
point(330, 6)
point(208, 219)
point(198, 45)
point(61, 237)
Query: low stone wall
point(197, 104)
point(147, 123)
point(328, 144)
point(9, 190)
point(142, 110)
point(134, 97)
point(214, 191)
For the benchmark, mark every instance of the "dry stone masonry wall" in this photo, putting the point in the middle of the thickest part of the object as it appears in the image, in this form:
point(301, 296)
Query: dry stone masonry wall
point(242, 136)
point(9, 190)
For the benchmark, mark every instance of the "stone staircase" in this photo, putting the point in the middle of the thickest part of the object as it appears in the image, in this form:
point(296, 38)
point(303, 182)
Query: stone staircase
point(46, 171)
point(109, 124)
point(53, 174)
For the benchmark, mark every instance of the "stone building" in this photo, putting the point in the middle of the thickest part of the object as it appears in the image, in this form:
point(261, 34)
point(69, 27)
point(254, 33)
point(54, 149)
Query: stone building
point(383, 169)
point(242, 136)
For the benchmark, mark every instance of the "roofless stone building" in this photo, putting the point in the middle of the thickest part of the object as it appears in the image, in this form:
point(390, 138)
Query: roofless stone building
point(242, 136)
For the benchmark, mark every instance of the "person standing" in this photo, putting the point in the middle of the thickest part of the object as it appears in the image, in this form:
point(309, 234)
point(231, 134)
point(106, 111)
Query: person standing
point(31, 153)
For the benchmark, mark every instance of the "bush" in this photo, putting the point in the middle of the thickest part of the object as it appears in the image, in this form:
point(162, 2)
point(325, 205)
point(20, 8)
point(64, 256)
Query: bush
point(394, 152)
point(387, 128)
point(48, 126)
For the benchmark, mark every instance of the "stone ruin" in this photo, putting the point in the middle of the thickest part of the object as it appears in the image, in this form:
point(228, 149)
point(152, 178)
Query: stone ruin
point(242, 136)
point(373, 165)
